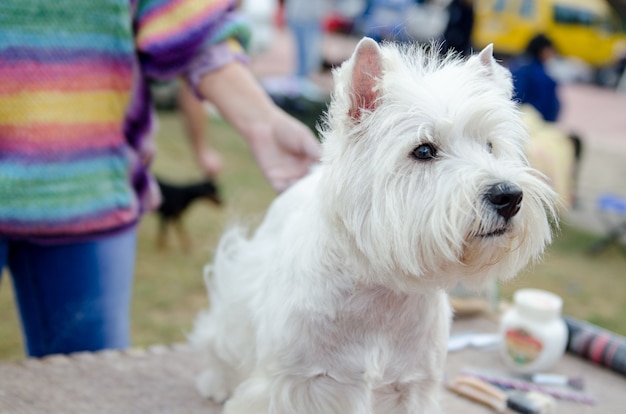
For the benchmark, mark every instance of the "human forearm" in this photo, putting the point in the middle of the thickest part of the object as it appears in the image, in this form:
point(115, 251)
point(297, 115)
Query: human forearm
point(283, 147)
point(238, 97)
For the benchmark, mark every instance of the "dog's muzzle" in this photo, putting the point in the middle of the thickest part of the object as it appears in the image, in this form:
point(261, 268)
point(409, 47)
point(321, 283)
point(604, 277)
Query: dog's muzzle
point(505, 198)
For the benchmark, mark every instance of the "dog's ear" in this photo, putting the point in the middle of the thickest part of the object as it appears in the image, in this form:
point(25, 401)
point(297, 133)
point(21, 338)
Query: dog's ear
point(485, 57)
point(367, 69)
point(494, 70)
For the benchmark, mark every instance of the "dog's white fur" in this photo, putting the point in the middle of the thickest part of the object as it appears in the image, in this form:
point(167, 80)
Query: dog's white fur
point(336, 304)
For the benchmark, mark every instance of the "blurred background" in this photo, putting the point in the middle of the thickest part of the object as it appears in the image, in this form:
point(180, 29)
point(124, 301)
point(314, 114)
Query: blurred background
point(296, 44)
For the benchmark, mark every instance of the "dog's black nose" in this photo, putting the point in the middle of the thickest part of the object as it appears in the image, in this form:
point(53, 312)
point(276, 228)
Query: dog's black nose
point(506, 198)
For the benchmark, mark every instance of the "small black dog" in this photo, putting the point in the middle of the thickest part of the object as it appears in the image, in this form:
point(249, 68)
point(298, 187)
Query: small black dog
point(176, 198)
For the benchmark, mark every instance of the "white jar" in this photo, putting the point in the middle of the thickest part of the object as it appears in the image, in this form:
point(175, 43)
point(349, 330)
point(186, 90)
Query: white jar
point(534, 335)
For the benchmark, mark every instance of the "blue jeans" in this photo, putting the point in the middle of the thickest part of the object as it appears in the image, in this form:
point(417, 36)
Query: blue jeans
point(73, 297)
point(308, 38)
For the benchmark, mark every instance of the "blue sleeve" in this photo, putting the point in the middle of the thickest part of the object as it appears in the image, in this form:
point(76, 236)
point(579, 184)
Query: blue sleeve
point(520, 84)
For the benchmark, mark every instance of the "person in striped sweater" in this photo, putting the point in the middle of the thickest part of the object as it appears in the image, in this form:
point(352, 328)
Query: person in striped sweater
point(76, 122)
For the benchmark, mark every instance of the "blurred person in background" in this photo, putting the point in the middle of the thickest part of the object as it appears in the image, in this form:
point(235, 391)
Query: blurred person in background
point(554, 152)
point(386, 20)
point(305, 21)
point(76, 125)
point(532, 83)
point(457, 35)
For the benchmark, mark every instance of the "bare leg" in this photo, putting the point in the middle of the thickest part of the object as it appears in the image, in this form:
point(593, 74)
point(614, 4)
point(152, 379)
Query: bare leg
point(195, 123)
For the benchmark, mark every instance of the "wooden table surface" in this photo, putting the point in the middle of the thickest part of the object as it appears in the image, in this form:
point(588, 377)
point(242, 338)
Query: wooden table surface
point(160, 379)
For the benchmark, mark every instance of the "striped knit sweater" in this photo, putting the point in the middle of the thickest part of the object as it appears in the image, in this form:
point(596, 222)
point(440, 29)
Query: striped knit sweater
point(75, 109)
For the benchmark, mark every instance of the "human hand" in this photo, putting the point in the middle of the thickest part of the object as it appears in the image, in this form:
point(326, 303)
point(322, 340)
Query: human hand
point(209, 161)
point(284, 149)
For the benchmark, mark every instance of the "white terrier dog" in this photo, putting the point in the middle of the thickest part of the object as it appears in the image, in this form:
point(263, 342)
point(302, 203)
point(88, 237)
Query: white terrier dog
point(337, 303)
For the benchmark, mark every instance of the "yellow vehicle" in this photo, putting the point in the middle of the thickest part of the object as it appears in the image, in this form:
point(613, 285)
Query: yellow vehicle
point(586, 29)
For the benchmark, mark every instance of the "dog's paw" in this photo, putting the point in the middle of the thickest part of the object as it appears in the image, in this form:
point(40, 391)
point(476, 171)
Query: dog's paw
point(213, 386)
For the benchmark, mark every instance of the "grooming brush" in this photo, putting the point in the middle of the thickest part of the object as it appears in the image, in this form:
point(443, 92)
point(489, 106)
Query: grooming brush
point(577, 383)
point(508, 382)
point(498, 400)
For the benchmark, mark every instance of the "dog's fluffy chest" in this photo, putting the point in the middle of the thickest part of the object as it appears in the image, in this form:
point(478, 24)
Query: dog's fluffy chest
point(378, 335)
point(377, 310)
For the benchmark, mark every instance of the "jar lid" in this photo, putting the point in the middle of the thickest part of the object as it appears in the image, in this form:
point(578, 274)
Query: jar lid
point(538, 303)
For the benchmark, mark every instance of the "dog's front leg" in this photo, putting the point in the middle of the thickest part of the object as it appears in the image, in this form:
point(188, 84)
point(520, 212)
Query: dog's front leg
point(290, 394)
point(250, 397)
point(407, 398)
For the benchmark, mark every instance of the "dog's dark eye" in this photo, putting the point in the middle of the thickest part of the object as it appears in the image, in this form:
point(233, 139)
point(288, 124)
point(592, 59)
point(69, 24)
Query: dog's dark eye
point(424, 152)
point(489, 147)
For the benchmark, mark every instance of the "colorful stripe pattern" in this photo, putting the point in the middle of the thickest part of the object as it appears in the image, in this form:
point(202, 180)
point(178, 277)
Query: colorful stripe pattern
point(167, 32)
point(75, 111)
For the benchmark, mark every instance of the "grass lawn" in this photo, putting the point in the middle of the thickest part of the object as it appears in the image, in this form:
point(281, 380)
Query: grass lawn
point(169, 289)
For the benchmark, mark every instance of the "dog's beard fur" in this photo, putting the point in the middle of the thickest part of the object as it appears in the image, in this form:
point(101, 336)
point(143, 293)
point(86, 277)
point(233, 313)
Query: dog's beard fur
point(336, 303)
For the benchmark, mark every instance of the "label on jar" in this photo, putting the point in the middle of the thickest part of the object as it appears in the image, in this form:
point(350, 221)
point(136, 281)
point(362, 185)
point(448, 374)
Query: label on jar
point(522, 347)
